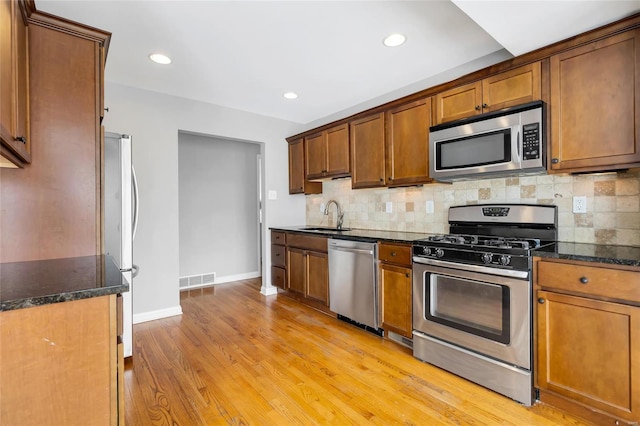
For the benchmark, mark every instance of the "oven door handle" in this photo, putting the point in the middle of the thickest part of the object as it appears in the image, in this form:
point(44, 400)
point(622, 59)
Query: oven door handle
point(472, 268)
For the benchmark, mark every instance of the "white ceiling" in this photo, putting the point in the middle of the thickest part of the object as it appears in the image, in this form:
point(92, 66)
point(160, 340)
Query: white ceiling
point(246, 54)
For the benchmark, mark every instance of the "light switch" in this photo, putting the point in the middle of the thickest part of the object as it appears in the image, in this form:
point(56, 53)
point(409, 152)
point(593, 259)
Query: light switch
point(272, 195)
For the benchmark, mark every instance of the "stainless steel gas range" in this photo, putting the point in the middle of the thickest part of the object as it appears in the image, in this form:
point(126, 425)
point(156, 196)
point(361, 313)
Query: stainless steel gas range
point(472, 294)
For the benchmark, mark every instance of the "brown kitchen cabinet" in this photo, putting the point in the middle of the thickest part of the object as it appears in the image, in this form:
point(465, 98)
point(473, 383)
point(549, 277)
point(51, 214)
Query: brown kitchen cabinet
point(395, 283)
point(327, 153)
point(367, 151)
point(298, 183)
point(64, 130)
point(15, 138)
point(510, 88)
point(588, 339)
point(278, 259)
point(307, 267)
point(595, 105)
point(407, 143)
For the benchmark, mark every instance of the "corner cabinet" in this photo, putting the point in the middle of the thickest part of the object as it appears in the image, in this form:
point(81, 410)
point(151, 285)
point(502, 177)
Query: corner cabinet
point(595, 105)
point(367, 152)
point(510, 88)
point(407, 143)
point(15, 140)
point(327, 153)
point(588, 339)
point(298, 183)
point(395, 285)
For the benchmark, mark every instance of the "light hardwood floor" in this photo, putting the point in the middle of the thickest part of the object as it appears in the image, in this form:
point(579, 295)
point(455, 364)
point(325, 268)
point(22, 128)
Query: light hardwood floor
point(237, 357)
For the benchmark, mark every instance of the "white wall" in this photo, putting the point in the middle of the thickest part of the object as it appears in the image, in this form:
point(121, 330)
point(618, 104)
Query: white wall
point(154, 120)
point(218, 194)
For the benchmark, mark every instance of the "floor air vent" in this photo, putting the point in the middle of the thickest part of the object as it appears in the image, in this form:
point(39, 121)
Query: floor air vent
point(195, 281)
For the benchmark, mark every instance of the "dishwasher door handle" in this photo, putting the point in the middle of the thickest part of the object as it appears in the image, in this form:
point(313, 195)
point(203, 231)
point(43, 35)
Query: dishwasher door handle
point(351, 250)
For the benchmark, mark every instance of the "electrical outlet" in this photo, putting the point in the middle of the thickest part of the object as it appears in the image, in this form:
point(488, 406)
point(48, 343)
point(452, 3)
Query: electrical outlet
point(389, 207)
point(580, 204)
point(429, 206)
point(321, 207)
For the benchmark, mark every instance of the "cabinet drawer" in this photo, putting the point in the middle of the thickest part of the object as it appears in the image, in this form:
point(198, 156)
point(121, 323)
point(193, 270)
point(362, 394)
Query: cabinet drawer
point(307, 242)
point(395, 253)
point(278, 237)
point(278, 277)
point(591, 280)
point(278, 255)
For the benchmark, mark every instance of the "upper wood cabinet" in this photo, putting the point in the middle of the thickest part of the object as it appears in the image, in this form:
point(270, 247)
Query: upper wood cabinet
point(367, 152)
point(327, 153)
point(595, 105)
point(510, 88)
point(297, 181)
point(14, 86)
point(407, 143)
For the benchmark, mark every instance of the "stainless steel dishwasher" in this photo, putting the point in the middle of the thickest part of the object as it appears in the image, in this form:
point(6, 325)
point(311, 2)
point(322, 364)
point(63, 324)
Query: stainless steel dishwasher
point(353, 284)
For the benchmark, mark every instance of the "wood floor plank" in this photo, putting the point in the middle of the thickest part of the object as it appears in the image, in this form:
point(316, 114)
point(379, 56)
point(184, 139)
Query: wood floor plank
point(236, 357)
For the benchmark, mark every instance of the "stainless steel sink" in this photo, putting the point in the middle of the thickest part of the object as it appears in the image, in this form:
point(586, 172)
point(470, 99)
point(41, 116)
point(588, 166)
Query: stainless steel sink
point(324, 229)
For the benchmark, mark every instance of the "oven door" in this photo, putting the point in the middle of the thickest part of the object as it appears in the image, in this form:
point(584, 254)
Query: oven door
point(472, 307)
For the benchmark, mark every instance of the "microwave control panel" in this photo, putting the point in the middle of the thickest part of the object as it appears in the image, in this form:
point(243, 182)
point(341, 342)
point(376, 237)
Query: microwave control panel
point(531, 141)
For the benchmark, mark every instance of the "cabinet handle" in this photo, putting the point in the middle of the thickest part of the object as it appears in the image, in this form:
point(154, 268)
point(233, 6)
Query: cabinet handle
point(393, 253)
point(407, 275)
point(541, 301)
point(21, 139)
point(554, 161)
point(107, 109)
point(485, 106)
point(390, 178)
point(381, 179)
point(477, 107)
point(584, 280)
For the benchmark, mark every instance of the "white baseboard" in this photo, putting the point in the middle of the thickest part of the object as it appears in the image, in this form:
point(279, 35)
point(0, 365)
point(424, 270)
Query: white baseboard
point(268, 291)
point(238, 277)
point(159, 314)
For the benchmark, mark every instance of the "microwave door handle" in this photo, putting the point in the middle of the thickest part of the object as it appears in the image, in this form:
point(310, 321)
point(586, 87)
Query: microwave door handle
point(517, 143)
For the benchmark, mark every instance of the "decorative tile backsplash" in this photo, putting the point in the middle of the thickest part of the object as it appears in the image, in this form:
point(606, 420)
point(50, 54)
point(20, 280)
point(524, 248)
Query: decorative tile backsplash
point(613, 204)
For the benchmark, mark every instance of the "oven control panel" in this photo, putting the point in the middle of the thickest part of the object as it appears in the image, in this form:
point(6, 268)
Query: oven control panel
point(474, 257)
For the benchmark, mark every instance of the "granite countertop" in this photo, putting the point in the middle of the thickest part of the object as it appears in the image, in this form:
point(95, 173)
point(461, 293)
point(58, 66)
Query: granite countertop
point(615, 255)
point(354, 234)
point(42, 282)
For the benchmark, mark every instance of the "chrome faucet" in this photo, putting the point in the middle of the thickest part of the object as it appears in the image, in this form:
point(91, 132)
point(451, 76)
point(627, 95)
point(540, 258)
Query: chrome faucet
point(340, 214)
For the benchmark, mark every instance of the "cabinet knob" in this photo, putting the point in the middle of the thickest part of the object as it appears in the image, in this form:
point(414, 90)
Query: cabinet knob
point(107, 109)
point(584, 280)
point(381, 179)
point(485, 106)
point(393, 253)
point(390, 178)
point(541, 301)
point(554, 161)
point(21, 139)
point(407, 275)
point(477, 107)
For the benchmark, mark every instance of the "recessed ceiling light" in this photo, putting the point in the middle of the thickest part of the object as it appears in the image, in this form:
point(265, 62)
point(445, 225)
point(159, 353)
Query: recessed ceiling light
point(394, 40)
point(290, 95)
point(159, 58)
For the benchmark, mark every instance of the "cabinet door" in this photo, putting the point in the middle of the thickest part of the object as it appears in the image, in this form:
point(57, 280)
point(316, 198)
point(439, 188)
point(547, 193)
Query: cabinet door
point(338, 151)
point(367, 152)
point(316, 156)
point(297, 182)
point(318, 277)
point(14, 90)
point(595, 105)
point(296, 270)
point(589, 351)
point(395, 291)
point(512, 88)
point(459, 102)
point(407, 143)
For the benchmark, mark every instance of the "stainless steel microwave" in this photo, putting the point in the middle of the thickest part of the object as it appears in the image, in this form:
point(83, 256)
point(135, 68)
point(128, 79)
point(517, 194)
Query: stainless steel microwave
point(501, 143)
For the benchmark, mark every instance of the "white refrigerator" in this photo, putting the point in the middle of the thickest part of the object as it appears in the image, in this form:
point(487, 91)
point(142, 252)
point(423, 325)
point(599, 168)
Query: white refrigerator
point(121, 219)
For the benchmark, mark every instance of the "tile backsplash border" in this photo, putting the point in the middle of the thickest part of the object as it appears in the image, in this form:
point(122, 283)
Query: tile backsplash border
point(612, 217)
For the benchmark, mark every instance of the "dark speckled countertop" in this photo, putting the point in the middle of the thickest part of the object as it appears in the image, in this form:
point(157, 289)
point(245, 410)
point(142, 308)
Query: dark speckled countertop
point(42, 282)
point(614, 255)
point(367, 235)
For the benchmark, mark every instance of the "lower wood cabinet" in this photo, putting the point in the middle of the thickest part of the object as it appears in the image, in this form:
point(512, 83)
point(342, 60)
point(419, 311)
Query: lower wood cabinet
point(61, 364)
point(588, 341)
point(395, 282)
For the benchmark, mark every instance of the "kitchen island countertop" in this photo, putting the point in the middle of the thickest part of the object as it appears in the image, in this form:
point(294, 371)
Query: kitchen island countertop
point(42, 282)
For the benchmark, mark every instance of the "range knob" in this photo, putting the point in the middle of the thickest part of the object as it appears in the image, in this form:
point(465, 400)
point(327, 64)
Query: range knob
point(505, 260)
point(426, 251)
point(439, 252)
point(486, 257)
